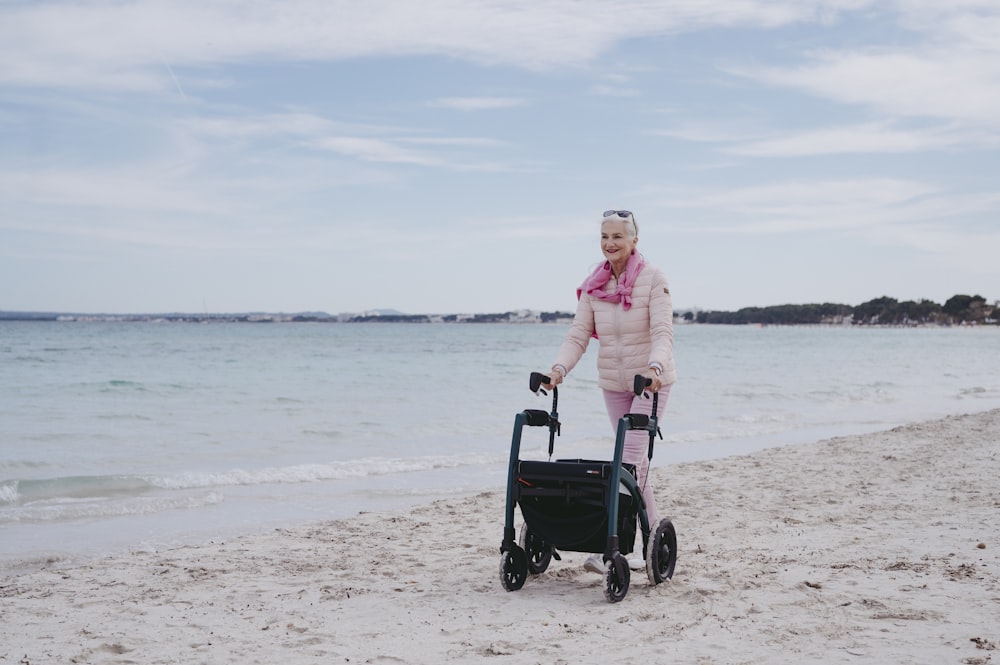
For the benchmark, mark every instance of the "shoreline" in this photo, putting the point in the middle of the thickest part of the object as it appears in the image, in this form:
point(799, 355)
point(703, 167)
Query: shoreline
point(879, 547)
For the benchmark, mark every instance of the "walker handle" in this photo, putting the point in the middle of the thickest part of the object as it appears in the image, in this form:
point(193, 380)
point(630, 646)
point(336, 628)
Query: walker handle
point(536, 380)
point(639, 384)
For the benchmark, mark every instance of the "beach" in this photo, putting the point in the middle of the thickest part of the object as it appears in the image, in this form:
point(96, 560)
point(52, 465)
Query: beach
point(876, 548)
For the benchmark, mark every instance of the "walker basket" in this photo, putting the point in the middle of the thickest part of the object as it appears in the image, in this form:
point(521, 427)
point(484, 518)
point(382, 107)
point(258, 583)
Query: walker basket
point(565, 503)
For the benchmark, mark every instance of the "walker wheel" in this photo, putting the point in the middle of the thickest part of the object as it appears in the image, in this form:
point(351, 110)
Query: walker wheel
point(661, 552)
point(513, 568)
point(616, 579)
point(537, 551)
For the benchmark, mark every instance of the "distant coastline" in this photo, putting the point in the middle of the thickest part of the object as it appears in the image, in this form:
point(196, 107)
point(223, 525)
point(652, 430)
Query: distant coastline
point(885, 311)
point(522, 316)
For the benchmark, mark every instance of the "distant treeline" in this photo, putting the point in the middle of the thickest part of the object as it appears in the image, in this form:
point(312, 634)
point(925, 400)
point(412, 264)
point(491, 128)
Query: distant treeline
point(958, 310)
point(523, 316)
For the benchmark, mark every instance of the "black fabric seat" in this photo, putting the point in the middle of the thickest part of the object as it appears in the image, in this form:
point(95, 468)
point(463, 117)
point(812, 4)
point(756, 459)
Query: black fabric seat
point(565, 503)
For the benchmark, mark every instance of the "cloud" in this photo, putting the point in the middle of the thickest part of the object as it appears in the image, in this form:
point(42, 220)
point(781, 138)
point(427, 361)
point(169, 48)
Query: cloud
point(950, 232)
point(846, 139)
point(364, 142)
point(882, 137)
point(947, 68)
point(606, 90)
point(376, 150)
point(397, 151)
point(800, 206)
point(707, 132)
point(219, 125)
point(455, 141)
point(936, 86)
point(140, 45)
point(948, 85)
point(477, 103)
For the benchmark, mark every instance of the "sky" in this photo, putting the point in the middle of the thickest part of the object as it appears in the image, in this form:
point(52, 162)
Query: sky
point(454, 156)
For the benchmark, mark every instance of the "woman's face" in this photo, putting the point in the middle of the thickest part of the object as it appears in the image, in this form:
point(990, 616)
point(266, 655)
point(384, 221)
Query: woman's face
point(616, 243)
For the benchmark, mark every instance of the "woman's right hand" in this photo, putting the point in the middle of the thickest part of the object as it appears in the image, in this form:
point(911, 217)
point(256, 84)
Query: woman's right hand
point(556, 376)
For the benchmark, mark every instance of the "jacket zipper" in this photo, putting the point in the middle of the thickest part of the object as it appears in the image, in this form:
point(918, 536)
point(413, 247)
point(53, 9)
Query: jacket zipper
point(621, 343)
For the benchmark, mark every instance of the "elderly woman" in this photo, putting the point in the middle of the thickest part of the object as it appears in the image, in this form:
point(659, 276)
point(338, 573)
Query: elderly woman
point(625, 304)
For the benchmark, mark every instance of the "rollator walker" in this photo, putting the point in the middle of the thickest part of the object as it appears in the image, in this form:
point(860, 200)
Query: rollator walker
point(577, 505)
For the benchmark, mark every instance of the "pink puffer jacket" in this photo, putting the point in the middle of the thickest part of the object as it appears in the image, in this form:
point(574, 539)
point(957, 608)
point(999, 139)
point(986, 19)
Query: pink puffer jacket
point(630, 340)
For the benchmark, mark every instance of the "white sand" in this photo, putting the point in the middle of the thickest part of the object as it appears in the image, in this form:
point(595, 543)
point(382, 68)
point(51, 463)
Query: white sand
point(881, 548)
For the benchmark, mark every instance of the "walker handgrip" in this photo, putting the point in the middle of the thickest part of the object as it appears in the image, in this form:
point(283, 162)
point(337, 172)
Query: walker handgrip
point(638, 420)
point(536, 380)
point(639, 384)
point(536, 418)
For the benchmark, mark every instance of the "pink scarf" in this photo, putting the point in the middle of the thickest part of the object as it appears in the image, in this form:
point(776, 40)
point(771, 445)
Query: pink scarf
point(594, 285)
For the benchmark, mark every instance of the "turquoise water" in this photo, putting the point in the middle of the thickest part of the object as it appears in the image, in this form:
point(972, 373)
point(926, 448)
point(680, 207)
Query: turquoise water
point(119, 436)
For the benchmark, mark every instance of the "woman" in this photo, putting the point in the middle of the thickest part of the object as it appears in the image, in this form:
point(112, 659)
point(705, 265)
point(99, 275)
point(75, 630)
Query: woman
point(625, 303)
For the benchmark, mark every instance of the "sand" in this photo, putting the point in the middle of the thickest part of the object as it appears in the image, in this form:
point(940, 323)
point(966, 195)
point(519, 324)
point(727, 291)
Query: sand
point(880, 548)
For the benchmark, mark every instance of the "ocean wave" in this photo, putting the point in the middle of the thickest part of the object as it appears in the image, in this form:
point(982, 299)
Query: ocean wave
point(975, 392)
point(69, 487)
point(86, 488)
point(307, 473)
point(66, 509)
point(8, 492)
point(324, 434)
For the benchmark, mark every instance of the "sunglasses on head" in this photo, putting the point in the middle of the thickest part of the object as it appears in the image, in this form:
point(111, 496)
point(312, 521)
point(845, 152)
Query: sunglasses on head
point(626, 215)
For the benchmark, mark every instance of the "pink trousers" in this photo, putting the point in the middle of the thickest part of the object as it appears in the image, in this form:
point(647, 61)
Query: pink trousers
point(637, 441)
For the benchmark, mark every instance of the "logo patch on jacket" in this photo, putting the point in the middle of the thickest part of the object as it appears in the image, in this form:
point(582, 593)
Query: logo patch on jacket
point(666, 290)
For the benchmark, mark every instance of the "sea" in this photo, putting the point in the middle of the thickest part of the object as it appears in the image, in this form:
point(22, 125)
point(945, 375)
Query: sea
point(119, 437)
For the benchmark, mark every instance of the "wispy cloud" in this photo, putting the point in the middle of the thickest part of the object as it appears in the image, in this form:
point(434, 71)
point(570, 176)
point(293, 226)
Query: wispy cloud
point(607, 90)
point(477, 103)
point(376, 150)
point(238, 125)
point(936, 222)
point(708, 132)
point(369, 143)
point(882, 137)
point(947, 67)
point(852, 139)
point(454, 141)
point(799, 206)
point(111, 46)
point(932, 84)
